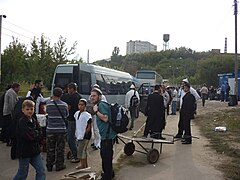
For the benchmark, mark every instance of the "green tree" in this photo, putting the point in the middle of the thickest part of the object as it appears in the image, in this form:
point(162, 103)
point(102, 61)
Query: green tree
point(39, 62)
point(61, 52)
point(13, 62)
point(208, 69)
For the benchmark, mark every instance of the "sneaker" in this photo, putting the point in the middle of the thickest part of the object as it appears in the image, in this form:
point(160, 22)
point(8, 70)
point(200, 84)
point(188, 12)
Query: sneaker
point(75, 160)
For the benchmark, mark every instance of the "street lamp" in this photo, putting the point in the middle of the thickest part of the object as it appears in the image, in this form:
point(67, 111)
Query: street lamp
point(1, 16)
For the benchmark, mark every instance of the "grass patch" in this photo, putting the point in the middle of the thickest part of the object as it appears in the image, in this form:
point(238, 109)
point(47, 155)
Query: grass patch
point(227, 143)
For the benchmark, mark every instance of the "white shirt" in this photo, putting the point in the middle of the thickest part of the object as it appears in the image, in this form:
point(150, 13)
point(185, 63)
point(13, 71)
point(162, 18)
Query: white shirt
point(175, 96)
point(28, 93)
point(128, 97)
point(39, 100)
point(192, 91)
point(166, 98)
point(81, 123)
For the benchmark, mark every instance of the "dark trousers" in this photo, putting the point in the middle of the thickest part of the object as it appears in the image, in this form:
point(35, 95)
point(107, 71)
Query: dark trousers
point(204, 97)
point(180, 124)
point(227, 96)
point(106, 153)
point(6, 128)
point(132, 115)
point(153, 133)
point(147, 128)
point(222, 95)
point(55, 148)
point(187, 128)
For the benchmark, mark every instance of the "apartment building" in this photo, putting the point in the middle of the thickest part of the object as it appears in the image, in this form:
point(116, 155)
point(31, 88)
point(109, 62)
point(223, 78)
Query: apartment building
point(140, 47)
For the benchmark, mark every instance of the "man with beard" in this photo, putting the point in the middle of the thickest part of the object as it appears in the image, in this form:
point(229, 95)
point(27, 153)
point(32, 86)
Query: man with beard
point(155, 114)
point(103, 113)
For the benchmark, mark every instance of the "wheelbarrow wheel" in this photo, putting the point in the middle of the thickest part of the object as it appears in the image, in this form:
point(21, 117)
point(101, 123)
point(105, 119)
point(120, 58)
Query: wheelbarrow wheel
point(152, 156)
point(69, 155)
point(129, 148)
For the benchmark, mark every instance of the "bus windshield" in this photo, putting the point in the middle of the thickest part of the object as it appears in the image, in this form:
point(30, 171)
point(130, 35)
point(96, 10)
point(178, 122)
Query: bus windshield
point(149, 76)
point(145, 75)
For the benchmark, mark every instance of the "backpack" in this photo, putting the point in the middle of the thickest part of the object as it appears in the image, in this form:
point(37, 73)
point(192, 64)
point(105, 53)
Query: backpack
point(134, 100)
point(119, 118)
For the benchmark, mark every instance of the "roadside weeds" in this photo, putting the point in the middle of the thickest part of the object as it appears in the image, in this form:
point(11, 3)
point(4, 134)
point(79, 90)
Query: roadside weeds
point(226, 144)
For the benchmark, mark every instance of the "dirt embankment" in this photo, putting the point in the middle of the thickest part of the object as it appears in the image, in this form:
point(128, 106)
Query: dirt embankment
point(224, 148)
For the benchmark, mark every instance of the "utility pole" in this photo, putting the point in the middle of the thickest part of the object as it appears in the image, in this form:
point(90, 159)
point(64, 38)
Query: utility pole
point(1, 16)
point(236, 54)
point(88, 56)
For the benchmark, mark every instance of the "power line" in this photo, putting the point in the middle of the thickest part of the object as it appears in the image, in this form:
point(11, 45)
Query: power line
point(21, 27)
point(16, 38)
point(17, 33)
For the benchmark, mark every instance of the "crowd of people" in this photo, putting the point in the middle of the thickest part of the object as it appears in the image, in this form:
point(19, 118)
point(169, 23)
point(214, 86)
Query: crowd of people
point(68, 120)
point(158, 105)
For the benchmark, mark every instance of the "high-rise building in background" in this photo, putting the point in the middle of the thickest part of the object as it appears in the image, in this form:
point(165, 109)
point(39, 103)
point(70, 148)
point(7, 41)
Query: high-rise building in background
point(140, 47)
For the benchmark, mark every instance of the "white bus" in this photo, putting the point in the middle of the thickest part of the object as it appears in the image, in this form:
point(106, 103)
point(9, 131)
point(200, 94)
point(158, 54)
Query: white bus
point(114, 84)
point(149, 77)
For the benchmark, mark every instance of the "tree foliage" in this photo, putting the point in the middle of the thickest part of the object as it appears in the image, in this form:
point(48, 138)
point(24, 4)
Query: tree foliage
point(20, 64)
point(175, 64)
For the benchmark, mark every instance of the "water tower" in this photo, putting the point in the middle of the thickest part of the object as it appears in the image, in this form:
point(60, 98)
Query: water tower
point(165, 41)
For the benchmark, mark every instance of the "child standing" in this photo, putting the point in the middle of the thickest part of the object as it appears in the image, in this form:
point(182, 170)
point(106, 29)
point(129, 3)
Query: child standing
point(83, 132)
point(28, 144)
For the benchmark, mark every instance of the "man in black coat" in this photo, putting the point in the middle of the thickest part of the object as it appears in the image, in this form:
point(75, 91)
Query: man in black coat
point(187, 113)
point(155, 114)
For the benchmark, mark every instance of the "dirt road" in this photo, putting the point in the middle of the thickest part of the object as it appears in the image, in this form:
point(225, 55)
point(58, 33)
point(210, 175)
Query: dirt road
point(177, 161)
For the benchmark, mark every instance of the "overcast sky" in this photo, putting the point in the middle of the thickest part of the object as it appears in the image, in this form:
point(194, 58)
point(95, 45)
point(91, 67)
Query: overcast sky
point(100, 25)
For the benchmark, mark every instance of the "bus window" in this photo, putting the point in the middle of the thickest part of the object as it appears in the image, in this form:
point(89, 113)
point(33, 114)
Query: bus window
point(149, 76)
point(102, 84)
point(76, 74)
point(145, 75)
point(85, 83)
point(61, 80)
point(63, 76)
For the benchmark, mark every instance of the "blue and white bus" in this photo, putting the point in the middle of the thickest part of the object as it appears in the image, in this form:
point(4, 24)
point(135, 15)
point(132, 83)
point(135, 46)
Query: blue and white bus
point(114, 84)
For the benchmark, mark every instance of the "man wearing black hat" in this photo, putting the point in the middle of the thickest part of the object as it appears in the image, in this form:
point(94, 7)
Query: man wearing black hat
point(187, 113)
point(155, 114)
point(181, 94)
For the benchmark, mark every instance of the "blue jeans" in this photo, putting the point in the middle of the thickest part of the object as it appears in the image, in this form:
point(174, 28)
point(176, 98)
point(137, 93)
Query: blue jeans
point(71, 138)
point(174, 107)
point(36, 162)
